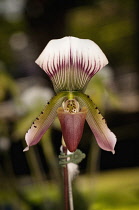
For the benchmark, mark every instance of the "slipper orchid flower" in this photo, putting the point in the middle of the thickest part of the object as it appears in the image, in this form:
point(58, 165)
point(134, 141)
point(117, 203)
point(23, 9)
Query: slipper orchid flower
point(70, 63)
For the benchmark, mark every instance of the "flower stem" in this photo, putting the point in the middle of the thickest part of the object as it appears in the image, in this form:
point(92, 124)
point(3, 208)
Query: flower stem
point(70, 195)
point(66, 183)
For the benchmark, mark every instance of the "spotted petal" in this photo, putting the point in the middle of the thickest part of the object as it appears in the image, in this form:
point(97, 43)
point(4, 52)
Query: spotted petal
point(71, 62)
point(104, 137)
point(43, 122)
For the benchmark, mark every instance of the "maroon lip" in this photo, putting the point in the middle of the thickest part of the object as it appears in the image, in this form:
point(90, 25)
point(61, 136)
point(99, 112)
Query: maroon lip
point(72, 126)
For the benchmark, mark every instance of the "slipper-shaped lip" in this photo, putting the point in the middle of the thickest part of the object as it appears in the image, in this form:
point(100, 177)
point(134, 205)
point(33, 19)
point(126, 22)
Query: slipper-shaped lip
point(72, 125)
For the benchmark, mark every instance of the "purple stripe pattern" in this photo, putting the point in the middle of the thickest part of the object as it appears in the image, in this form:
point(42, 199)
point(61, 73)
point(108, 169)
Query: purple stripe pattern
point(71, 62)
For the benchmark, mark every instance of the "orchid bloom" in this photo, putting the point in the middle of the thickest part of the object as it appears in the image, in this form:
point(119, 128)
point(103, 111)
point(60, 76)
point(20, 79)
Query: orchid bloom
point(70, 63)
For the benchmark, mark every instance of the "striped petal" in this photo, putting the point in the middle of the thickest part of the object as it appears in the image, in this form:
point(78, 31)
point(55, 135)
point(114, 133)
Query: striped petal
point(104, 137)
point(71, 62)
point(43, 122)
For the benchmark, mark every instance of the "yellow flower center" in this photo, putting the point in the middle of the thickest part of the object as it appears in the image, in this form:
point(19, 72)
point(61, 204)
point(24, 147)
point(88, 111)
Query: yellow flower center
point(71, 106)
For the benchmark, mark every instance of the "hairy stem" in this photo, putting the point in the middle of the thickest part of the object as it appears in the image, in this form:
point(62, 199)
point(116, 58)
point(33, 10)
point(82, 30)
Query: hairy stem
point(66, 183)
point(70, 194)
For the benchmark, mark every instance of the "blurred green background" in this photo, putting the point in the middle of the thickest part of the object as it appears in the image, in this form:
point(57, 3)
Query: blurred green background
point(32, 180)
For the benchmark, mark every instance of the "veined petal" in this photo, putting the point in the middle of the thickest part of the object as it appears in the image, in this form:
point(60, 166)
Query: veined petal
point(104, 137)
point(43, 122)
point(71, 62)
point(72, 125)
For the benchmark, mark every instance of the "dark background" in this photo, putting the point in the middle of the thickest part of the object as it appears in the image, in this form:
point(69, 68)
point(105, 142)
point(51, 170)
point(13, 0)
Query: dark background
point(25, 29)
